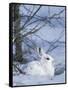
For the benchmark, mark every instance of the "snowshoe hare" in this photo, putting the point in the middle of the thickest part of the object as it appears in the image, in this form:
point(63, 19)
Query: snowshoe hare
point(44, 66)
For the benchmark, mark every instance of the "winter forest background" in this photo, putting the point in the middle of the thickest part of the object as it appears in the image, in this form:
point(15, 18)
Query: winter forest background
point(37, 26)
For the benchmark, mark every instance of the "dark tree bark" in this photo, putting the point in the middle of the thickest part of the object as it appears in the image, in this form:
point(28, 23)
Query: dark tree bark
point(18, 45)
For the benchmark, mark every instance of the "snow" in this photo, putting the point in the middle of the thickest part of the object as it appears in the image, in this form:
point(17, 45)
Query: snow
point(36, 80)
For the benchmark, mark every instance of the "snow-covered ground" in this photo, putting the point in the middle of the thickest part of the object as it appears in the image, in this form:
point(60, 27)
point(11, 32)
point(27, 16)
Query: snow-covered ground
point(36, 80)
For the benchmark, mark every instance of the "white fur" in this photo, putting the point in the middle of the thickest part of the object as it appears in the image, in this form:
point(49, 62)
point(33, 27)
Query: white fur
point(42, 66)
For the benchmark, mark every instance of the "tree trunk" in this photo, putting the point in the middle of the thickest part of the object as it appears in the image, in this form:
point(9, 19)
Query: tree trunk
point(18, 45)
point(19, 53)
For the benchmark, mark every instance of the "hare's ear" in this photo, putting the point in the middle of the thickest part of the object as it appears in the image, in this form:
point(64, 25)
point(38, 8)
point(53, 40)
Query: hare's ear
point(39, 50)
point(42, 52)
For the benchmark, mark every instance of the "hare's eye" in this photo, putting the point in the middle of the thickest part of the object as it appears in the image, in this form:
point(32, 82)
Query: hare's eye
point(48, 58)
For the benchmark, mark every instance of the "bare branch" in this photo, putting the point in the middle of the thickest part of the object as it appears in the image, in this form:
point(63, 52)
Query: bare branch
point(18, 69)
point(30, 17)
point(52, 46)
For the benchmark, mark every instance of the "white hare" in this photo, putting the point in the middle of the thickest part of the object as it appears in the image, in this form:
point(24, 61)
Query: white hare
point(44, 66)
